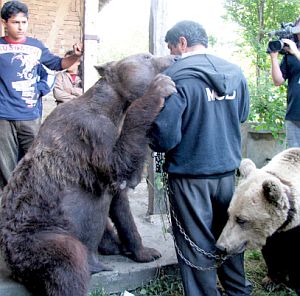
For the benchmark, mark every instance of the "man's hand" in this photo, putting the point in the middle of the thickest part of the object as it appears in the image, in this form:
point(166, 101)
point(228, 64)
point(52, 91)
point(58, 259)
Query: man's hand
point(291, 48)
point(274, 54)
point(70, 60)
point(78, 50)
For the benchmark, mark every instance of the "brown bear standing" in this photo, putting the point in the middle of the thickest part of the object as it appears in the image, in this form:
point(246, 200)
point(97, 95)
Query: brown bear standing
point(74, 178)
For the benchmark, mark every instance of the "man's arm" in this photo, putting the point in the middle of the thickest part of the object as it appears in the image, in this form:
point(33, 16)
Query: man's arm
point(165, 132)
point(275, 69)
point(70, 60)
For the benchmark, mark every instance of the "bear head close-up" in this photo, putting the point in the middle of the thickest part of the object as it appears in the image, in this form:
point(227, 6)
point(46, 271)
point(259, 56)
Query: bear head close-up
point(265, 201)
point(131, 76)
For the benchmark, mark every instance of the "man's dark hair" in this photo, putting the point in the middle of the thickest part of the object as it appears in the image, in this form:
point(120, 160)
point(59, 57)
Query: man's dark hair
point(69, 53)
point(193, 32)
point(11, 8)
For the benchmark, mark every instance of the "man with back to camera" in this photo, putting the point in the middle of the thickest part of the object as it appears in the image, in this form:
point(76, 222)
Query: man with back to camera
point(20, 100)
point(199, 131)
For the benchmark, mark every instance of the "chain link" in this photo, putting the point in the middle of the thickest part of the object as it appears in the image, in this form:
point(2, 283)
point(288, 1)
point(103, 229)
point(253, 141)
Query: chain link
point(189, 263)
point(191, 243)
point(159, 167)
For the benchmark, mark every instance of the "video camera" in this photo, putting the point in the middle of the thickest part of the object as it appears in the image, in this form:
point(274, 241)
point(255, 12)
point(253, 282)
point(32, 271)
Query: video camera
point(287, 31)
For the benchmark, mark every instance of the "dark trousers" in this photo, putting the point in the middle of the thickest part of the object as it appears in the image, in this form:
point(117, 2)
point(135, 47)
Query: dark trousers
point(15, 139)
point(200, 208)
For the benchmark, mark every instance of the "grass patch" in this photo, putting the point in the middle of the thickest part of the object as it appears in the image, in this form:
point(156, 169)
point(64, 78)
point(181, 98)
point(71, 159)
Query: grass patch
point(256, 270)
point(171, 285)
point(163, 285)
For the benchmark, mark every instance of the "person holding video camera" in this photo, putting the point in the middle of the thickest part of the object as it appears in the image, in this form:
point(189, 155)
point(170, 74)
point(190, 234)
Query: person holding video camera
point(289, 69)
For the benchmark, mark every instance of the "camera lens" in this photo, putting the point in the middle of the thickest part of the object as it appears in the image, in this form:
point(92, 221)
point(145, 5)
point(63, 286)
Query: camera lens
point(275, 46)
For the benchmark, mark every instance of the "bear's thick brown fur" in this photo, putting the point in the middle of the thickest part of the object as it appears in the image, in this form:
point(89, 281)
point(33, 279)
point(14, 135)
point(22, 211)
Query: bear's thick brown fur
point(57, 206)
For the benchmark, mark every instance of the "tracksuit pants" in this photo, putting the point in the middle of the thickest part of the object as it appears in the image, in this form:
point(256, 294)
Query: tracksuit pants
point(199, 210)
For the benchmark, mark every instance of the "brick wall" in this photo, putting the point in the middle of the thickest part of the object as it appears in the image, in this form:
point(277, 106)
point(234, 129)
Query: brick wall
point(57, 23)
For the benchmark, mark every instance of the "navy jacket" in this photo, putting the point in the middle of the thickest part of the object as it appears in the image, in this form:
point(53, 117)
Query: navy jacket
point(199, 126)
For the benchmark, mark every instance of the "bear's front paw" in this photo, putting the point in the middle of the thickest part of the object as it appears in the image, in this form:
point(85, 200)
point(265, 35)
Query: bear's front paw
point(145, 255)
point(162, 86)
point(270, 285)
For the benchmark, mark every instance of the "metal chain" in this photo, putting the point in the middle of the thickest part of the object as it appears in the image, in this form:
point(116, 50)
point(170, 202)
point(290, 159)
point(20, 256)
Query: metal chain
point(192, 244)
point(189, 263)
point(159, 164)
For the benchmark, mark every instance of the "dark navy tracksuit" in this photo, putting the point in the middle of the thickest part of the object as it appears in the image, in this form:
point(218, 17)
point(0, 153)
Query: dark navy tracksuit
point(199, 131)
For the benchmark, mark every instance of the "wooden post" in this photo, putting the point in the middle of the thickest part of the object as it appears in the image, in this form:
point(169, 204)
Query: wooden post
point(1, 26)
point(158, 27)
point(90, 43)
point(157, 46)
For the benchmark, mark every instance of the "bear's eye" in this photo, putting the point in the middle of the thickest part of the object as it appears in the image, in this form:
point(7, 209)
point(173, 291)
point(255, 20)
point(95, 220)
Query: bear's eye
point(240, 221)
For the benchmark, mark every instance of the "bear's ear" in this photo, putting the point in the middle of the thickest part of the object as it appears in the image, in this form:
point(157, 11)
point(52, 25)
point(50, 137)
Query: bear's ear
point(105, 70)
point(247, 166)
point(272, 191)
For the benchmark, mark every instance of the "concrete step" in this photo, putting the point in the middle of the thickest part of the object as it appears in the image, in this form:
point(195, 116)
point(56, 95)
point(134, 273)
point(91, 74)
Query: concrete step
point(115, 281)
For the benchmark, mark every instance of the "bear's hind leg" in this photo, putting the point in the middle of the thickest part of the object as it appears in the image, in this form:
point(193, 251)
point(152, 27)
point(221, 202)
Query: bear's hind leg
point(52, 264)
point(88, 214)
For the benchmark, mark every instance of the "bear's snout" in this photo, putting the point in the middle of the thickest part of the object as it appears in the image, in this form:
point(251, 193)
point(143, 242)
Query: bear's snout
point(221, 250)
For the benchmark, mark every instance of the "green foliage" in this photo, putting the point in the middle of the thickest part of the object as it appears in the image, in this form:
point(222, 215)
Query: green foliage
point(256, 270)
point(256, 18)
point(163, 285)
point(171, 285)
point(268, 105)
point(98, 292)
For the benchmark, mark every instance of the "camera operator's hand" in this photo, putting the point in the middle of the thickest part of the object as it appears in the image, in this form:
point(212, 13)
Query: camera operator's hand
point(291, 48)
point(274, 54)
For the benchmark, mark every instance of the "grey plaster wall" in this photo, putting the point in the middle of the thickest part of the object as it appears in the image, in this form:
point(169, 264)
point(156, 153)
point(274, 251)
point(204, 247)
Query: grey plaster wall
point(259, 146)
